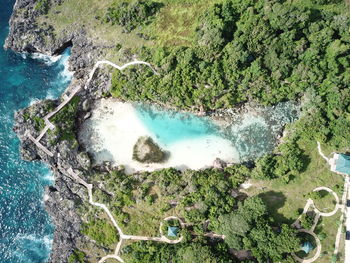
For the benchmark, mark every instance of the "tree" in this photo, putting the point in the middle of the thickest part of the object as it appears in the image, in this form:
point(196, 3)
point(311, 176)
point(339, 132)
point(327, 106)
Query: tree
point(252, 209)
point(196, 253)
point(234, 227)
point(265, 167)
point(131, 15)
point(267, 244)
point(216, 27)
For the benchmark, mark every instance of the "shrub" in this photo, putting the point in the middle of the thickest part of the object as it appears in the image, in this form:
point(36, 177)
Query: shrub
point(65, 120)
point(42, 6)
point(77, 256)
point(101, 231)
point(131, 15)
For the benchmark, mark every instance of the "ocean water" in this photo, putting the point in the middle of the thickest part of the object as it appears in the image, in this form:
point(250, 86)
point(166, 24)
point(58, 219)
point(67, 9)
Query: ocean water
point(25, 229)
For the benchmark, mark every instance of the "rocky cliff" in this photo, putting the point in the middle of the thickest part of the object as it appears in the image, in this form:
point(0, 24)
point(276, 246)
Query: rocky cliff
point(61, 199)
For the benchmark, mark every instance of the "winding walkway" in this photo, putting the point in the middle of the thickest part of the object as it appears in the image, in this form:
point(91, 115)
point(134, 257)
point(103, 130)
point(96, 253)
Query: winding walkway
point(345, 212)
point(67, 99)
point(75, 177)
point(311, 203)
point(321, 153)
point(122, 236)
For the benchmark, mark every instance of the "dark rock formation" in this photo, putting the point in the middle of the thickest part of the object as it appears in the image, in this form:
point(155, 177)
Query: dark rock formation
point(27, 35)
point(63, 198)
point(147, 151)
point(219, 164)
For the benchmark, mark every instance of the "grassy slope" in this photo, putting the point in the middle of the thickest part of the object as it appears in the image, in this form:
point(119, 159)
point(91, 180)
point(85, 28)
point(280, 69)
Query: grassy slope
point(145, 218)
point(94, 252)
point(173, 25)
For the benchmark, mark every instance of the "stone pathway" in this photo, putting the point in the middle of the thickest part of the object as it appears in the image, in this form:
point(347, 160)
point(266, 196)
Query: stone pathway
point(67, 99)
point(310, 203)
point(321, 153)
point(122, 236)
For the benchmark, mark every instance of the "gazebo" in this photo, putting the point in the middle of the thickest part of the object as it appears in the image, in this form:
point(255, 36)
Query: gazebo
point(307, 247)
point(172, 231)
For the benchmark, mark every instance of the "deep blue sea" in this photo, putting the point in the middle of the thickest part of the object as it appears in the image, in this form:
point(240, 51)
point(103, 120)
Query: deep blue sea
point(25, 229)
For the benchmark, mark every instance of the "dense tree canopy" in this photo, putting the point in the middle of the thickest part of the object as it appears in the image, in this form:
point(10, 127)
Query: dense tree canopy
point(265, 51)
point(182, 253)
point(250, 228)
point(130, 15)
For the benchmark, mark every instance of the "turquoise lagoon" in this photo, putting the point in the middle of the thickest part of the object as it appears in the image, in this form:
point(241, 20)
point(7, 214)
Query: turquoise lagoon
point(252, 134)
point(26, 231)
point(191, 141)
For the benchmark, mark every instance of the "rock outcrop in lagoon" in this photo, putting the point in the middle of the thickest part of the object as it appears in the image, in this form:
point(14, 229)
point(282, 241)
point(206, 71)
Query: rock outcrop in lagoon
point(147, 151)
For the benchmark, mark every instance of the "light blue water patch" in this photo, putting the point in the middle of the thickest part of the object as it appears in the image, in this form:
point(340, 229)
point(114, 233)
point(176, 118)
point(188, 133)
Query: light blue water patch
point(252, 134)
point(169, 126)
point(26, 231)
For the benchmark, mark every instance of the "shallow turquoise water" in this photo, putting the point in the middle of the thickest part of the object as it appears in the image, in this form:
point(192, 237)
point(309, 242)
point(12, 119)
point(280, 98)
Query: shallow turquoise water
point(252, 135)
point(25, 228)
point(171, 126)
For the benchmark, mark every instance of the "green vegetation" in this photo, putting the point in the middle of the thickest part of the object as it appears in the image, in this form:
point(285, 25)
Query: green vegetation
point(64, 120)
point(254, 237)
point(39, 123)
point(76, 257)
point(198, 252)
point(247, 57)
point(131, 15)
point(285, 201)
point(103, 232)
point(36, 113)
point(323, 200)
point(199, 197)
point(42, 6)
point(141, 202)
point(250, 228)
point(287, 164)
point(307, 220)
point(306, 238)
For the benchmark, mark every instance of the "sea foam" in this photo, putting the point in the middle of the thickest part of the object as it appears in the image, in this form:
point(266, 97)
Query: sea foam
point(48, 60)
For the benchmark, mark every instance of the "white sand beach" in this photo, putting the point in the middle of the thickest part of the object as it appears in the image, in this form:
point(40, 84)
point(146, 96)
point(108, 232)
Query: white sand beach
point(114, 127)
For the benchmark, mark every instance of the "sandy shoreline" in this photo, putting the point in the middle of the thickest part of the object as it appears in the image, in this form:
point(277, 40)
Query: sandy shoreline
point(114, 127)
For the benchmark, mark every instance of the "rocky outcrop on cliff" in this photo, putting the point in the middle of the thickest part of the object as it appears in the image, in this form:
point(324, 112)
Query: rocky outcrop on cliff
point(27, 34)
point(63, 198)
